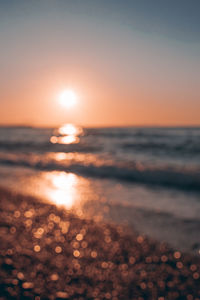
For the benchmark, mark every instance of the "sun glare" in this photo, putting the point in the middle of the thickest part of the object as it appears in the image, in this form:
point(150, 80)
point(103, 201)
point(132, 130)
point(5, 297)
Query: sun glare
point(69, 135)
point(63, 188)
point(70, 129)
point(67, 98)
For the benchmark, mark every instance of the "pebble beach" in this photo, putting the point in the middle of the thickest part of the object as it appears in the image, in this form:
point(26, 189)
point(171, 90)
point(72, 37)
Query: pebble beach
point(48, 253)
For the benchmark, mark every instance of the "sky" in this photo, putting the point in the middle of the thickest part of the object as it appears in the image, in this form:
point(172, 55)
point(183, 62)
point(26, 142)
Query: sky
point(133, 62)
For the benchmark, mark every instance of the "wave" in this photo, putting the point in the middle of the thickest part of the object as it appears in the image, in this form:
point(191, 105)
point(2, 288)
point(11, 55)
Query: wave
point(168, 142)
point(185, 147)
point(46, 146)
point(145, 132)
point(185, 179)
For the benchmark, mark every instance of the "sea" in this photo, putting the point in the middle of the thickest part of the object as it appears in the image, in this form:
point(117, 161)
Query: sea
point(147, 178)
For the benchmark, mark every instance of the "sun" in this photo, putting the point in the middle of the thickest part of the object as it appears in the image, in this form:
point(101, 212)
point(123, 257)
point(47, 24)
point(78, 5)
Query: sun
point(67, 98)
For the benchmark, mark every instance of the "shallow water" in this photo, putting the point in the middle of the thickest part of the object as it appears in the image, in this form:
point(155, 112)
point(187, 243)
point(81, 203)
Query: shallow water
point(146, 177)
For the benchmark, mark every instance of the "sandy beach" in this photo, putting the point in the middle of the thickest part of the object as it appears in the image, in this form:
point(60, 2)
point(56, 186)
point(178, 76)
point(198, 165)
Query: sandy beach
point(48, 253)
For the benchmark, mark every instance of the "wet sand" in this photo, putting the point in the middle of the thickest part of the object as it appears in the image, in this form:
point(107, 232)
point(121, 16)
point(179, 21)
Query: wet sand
point(48, 253)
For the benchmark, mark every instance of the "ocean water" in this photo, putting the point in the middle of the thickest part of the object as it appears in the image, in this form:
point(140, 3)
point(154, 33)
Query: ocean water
point(148, 178)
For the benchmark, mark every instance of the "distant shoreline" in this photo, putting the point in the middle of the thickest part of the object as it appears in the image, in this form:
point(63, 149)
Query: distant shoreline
point(104, 126)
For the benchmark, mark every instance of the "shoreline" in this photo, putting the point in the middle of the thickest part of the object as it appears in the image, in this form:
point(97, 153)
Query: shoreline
point(49, 253)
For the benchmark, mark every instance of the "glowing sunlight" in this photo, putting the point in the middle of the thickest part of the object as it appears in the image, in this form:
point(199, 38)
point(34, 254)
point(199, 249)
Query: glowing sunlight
point(70, 129)
point(67, 98)
point(68, 135)
point(64, 188)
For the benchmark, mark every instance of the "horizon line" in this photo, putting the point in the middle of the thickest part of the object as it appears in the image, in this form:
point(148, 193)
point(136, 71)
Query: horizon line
point(102, 126)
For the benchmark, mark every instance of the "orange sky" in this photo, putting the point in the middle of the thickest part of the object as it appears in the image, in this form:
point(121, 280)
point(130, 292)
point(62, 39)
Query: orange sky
point(121, 74)
point(36, 102)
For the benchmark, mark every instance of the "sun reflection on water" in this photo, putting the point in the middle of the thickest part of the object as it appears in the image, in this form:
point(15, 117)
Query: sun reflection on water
point(64, 140)
point(59, 156)
point(69, 134)
point(70, 129)
point(63, 188)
